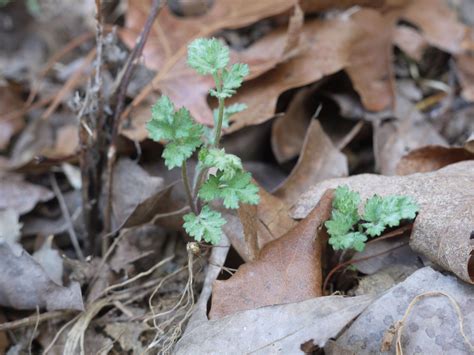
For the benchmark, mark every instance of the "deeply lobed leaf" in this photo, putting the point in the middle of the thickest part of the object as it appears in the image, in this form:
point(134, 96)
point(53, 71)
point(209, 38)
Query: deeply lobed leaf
point(205, 226)
point(229, 164)
point(238, 189)
point(182, 134)
point(207, 56)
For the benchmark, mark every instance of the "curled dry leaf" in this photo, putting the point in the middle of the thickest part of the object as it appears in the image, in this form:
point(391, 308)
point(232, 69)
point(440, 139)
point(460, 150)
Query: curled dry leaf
point(288, 131)
point(395, 138)
point(465, 66)
point(410, 41)
point(132, 205)
point(24, 284)
point(444, 225)
point(433, 324)
point(384, 253)
point(287, 269)
point(19, 195)
point(319, 160)
point(9, 125)
point(431, 158)
point(281, 328)
point(253, 230)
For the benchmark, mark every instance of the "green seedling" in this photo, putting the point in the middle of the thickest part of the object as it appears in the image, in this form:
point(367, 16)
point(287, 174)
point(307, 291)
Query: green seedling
point(349, 230)
point(183, 136)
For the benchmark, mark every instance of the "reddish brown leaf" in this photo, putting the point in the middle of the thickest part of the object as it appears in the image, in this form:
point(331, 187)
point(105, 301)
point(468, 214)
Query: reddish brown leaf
point(431, 158)
point(287, 270)
point(319, 160)
point(465, 65)
point(9, 126)
point(252, 232)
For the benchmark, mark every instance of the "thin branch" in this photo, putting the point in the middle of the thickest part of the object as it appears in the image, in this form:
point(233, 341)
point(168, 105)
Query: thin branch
point(67, 217)
point(32, 320)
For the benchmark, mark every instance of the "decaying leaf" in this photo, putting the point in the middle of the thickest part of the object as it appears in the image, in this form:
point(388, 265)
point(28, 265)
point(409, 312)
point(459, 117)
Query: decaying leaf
point(395, 138)
point(275, 329)
point(384, 253)
point(19, 195)
point(443, 227)
point(319, 160)
point(287, 270)
point(465, 66)
point(433, 325)
point(24, 284)
point(270, 221)
point(135, 195)
point(431, 158)
point(288, 131)
point(10, 226)
point(9, 125)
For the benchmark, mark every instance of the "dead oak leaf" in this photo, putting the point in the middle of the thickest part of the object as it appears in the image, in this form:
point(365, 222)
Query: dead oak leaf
point(287, 269)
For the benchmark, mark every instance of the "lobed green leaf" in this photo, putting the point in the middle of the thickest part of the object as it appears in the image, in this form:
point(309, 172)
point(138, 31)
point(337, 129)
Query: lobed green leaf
point(205, 226)
point(207, 56)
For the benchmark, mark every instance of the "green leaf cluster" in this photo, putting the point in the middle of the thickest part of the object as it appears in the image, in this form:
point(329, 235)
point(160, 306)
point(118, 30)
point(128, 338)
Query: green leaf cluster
point(348, 230)
point(177, 128)
point(182, 137)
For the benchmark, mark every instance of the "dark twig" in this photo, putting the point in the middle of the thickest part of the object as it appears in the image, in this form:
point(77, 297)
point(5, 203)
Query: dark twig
point(67, 217)
point(119, 101)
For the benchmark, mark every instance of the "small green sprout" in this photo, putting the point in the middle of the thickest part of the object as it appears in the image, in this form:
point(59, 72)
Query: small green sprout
point(349, 230)
point(183, 136)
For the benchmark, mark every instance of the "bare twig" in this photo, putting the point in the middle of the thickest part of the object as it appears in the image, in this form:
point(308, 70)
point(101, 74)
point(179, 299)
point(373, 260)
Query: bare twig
point(32, 320)
point(67, 217)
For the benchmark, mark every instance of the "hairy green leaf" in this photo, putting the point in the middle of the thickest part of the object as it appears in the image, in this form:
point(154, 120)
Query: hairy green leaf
point(207, 56)
point(231, 80)
point(206, 226)
point(177, 128)
point(238, 189)
point(229, 164)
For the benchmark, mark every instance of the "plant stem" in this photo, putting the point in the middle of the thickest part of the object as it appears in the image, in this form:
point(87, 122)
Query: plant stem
point(187, 187)
point(220, 119)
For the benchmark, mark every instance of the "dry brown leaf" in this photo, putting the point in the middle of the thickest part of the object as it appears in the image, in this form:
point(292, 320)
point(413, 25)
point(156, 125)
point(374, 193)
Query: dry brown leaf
point(9, 126)
point(19, 195)
point(395, 138)
point(24, 284)
point(410, 41)
point(465, 66)
point(431, 158)
point(439, 25)
point(370, 66)
point(310, 6)
point(444, 225)
point(318, 161)
point(288, 131)
point(136, 195)
point(361, 44)
point(280, 329)
point(287, 270)
point(270, 222)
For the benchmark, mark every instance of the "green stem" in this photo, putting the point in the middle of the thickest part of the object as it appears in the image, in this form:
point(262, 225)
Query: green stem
point(220, 119)
point(187, 187)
